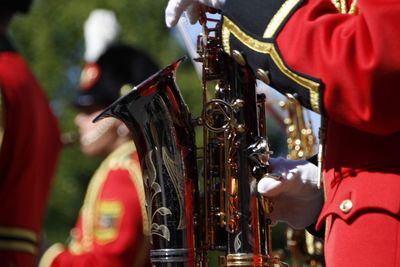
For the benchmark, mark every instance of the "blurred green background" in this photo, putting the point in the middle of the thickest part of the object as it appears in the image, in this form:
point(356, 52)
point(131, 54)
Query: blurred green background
point(51, 39)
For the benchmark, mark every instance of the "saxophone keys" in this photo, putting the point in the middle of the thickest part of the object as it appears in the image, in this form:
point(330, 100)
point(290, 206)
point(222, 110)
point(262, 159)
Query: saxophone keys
point(241, 128)
point(239, 103)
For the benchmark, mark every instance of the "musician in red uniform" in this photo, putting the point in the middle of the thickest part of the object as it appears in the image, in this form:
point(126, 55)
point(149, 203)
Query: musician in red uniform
point(112, 228)
point(30, 145)
point(340, 59)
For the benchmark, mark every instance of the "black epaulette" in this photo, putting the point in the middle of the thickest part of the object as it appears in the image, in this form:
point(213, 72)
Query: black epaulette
point(251, 28)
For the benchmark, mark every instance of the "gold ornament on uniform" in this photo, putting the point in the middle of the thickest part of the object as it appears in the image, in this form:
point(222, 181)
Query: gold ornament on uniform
point(341, 6)
point(346, 206)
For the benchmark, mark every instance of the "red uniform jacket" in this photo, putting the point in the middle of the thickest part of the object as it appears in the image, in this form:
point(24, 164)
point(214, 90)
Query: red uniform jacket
point(112, 228)
point(342, 60)
point(28, 155)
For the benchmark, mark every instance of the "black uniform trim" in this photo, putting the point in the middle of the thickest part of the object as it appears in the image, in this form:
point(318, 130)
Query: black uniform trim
point(253, 31)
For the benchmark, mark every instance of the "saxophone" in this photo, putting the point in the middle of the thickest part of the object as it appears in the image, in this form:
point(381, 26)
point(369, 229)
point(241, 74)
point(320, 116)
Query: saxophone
point(203, 210)
point(301, 145)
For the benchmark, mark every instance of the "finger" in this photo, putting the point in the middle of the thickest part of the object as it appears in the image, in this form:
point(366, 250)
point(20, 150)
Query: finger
point(270, 187)
point(174, 11)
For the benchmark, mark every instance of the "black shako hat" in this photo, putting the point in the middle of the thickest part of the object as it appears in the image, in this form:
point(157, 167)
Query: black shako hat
point(17, 5)
point(119, 68)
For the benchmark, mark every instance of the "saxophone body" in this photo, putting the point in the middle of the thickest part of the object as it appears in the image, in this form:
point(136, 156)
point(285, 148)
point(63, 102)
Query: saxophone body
point(234, 153)
point(202, 202)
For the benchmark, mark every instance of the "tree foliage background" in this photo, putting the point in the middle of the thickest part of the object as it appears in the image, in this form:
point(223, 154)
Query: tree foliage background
point(50, 37)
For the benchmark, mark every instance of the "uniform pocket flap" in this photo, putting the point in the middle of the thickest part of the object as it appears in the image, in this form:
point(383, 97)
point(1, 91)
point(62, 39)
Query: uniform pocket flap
point(366, 191)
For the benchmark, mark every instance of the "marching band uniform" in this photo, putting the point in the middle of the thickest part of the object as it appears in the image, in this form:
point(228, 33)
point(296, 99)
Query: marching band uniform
point(341, 60)
point(110, 230)
point(112, 227)
point(29, 151)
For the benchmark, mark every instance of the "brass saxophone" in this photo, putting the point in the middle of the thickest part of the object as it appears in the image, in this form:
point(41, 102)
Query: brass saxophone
point(236, 154)
point(300, 137)
point(214, 216)
point(301, 142)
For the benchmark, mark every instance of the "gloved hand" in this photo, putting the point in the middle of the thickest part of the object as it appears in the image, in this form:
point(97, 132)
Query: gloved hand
point(175, 8)
point(295, 196)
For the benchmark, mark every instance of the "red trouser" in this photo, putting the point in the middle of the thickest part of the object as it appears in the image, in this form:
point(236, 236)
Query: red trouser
point(370, 239)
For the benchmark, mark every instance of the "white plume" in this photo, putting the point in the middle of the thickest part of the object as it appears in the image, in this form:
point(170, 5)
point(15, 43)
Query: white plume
point(101, 29)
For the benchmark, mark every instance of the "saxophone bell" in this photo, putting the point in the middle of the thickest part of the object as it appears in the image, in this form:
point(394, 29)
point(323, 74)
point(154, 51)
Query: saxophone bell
point(162, 129)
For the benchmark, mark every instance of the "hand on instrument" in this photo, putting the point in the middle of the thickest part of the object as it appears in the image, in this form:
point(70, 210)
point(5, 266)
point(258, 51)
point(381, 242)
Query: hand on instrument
point(175, 9)
point(295, 196)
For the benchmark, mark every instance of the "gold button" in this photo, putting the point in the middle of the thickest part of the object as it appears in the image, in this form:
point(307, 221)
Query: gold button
point(238, 57)
point(263, 75)
point(346, 206)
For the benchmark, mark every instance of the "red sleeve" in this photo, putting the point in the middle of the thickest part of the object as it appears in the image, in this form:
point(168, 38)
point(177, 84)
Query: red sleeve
point(28, 157)
point(118, 238)
point(356, 56)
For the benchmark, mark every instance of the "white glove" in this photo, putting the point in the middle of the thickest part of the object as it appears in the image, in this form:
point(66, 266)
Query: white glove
point(296, 197)
point(100, 30)
point(175, 8)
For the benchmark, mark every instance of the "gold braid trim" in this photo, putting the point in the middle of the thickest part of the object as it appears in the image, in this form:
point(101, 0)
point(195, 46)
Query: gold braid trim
point(225, 35)
point(341, 6)
point(18, 239)
point(137, 179)
point(120, 158)
point(50, 255)
point(19, 233)
point(15, 245)
point(353, 7)
point(278, 18)
point(269, 49)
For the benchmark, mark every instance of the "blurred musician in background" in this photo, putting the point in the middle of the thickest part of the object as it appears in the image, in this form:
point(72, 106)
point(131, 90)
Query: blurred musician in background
point(111, 229)
point(30, 145)
point(340, 59)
